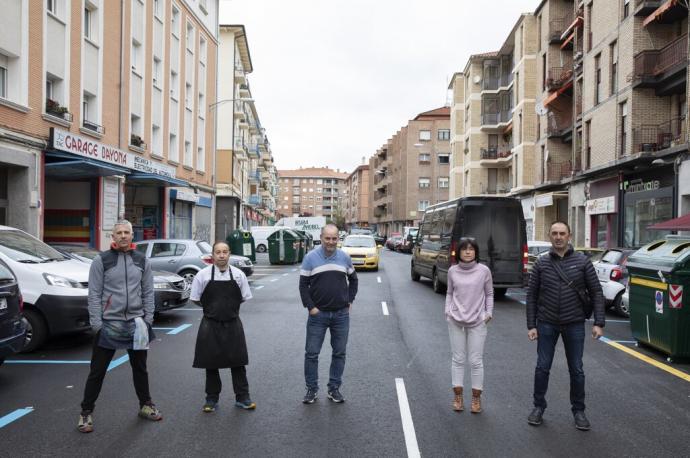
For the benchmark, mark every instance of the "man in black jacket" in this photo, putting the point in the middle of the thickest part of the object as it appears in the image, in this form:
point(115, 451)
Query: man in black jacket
point(555, 308)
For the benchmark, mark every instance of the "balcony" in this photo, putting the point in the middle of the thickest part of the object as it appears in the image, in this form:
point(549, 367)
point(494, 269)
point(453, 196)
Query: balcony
point(255, 175)
point(558, 171)
point(53, 108)
point(496, 157)
point(93, 127)
point(559, 125)
point(663, 69)
point(558, 77)
point(556, 28)
point(496, 119)
point(650, 137)
point(500, 188)
point(254, 199)
point(646, 7)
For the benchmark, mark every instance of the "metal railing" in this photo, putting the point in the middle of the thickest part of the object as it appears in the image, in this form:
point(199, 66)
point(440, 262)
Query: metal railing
point(655, 137)
point(496, 117)
point(558, 76)
point(557, 26)
point(92, 126)
point(557, 125)
point(495, 152)
point(558, 170)
point(654, 62)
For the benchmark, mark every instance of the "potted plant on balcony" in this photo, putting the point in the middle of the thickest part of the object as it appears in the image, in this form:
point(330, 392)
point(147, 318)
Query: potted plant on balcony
point(136, 140)
point(53, 107)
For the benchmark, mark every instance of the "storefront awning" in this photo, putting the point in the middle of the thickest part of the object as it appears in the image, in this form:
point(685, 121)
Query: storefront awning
point(153, 179)
point(69, 166)
point(682, 223)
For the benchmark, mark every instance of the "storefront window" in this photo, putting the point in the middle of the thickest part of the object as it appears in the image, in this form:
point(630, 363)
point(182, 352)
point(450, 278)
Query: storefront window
point(641, 213)
point(607, 228)
point(182, 220)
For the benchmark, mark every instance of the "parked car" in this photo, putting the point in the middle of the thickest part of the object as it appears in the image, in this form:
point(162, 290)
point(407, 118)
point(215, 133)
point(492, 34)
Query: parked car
point(593, 254)
point(613, 276)
point(186, 257)
point(380, 239)
point(363, 251)
point(260, 234)
point(536, 248)
point(170, 290)
point(54, 287)
point(408, 240)
point(496, 223)
point(12, 326)
point(394, 241)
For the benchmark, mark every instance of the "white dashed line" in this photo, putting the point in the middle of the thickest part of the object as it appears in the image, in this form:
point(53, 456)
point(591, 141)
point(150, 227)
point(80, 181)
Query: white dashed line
point(406, 417)
point(259, 287)
point(294, 270)
point(384, 306)
point(378, 279)
point(275, 279)
point(285, 275)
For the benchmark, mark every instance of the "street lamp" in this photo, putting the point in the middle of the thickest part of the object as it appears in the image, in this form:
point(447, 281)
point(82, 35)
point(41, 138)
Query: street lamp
point(213, 105)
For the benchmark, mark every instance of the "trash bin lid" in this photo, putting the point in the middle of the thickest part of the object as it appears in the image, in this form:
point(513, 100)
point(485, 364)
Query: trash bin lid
point(665, 255)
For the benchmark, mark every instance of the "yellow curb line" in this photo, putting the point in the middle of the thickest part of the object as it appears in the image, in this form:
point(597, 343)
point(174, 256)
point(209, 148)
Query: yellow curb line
point(648, 360)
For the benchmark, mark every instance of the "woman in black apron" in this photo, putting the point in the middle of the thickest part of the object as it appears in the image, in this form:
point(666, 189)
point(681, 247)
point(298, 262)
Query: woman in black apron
point(220, 342)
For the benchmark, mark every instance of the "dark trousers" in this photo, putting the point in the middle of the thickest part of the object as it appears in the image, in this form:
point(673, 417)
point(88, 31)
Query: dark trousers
point(100, 359)
point(239, 384)
point(573, 336)
point(339, 324)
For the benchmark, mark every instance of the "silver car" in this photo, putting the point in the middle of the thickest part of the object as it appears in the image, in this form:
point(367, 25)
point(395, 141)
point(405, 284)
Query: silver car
point(186, 257)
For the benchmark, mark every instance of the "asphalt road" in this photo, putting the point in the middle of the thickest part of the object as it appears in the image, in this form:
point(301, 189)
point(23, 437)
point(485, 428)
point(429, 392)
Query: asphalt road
point(636, 409)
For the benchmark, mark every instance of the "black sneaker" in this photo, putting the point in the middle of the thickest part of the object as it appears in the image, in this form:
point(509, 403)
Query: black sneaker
point(311, 396)
point(335, 396)
point(210, 406)
point(247, 404)
point(535, 418)
point(581, 421)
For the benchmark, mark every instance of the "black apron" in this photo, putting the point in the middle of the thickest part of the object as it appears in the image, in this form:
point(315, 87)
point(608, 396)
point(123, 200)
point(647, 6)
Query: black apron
point(220, 342)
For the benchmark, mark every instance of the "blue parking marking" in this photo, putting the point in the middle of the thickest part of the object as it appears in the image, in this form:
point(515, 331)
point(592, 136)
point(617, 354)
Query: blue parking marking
point(16, 415)
point(179, 329)
point(121, 360)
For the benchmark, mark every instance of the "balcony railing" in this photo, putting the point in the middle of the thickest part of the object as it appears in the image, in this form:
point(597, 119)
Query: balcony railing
point(54, 108)
point(644, 7)
point(556, 28)
point(499, 117)
point(558, 76)
point(558, 170)
point(651, 137)
point(495, 152)
point(559, 124)
point(92, 126)
point(654, 62)
point(254, 199)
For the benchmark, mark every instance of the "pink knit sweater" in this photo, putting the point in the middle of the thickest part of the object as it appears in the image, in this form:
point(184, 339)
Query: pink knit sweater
point(470, 295)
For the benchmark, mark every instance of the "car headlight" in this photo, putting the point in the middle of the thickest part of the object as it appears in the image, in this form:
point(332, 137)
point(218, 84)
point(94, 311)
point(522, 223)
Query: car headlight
point(160, 285)
point(57, 280)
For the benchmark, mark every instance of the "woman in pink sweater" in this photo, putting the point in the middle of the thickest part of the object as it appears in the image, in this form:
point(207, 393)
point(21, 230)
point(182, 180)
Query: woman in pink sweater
point(469, 306)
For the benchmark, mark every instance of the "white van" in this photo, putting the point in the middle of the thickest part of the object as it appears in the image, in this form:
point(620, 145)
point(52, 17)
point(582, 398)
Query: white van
point(54, 288)
point(260, 234)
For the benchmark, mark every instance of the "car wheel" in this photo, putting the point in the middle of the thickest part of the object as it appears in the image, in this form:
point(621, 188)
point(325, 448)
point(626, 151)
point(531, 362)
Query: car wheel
point(36, 330)
point(436, 283)
point(415, 276)
point(619, 307)
point(261, 248)
point(499, 293)
point(188, 275)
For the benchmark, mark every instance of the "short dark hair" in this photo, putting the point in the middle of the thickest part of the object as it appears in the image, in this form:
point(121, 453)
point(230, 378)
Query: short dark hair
point(464, 242)
point(558, 221)
point(217, 242)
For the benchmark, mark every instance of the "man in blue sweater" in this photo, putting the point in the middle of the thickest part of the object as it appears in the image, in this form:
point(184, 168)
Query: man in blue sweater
point(327, 286)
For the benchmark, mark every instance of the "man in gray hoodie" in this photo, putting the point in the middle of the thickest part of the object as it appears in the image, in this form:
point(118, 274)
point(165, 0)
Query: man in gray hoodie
point(121, 307)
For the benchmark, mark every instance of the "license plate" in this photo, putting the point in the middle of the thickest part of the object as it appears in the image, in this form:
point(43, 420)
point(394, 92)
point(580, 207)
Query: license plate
point(358, 262)
point(3, 303)
point(185, 294)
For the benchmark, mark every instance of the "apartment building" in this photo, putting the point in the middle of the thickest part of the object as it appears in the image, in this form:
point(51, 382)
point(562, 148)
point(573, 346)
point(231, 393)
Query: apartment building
point(608, 126)
point(356, 197)
point(246, 178)
point(311, 191)
point(93, 126)
point(410, 172)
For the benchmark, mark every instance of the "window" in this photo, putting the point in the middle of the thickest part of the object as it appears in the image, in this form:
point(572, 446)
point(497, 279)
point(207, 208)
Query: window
point(175, 22)
point(626, 8)
point(444, 158)
point(136, 56)
point(319, 189)
point(424, 183)
point(188, 95)
point(174, 85)
point(190, 37)
point(85, 108)
point(173, 153)
point(156, 139)
point(624, 128)
point(49, 88)
point(202, 50)
point(187, 153)
point(160, 250)
point(51, 6)
point(3, 82)
point(319, 181)
point(200, 159)
point(443, 182)
point(422, 205)
point(425, 157)
point(156, 71)
point(588, 145)
point(157, 8)
point(425, 135)
point(444, 134)
point(295, 181)
point(304, 189)
point(597, 79)
point(613, 51)
point(87, 23)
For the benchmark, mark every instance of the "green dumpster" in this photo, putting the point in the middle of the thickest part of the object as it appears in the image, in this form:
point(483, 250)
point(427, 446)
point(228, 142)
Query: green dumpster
point(283, 247)
point(310, 242)
point(302, 244)
point(241, 243)
point(659, 311)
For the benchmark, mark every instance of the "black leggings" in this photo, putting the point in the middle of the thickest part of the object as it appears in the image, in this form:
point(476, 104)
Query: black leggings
point(100, 359)
point(239, 383)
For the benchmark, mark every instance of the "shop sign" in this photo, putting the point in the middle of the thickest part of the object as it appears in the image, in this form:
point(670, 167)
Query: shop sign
point(187, 196)
point(85, 147)
point(640, 186)
point(543, 200)
point(602, 205)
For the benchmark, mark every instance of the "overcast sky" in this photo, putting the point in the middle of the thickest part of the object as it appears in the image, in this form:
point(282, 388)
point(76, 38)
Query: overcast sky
point(334, 79)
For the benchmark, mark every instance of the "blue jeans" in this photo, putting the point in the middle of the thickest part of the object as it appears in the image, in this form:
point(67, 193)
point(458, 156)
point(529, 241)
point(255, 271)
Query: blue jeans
point(339, 324)
point(573, 336)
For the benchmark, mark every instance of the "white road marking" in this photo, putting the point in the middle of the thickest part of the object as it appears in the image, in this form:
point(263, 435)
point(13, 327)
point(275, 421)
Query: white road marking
point(384, 306)
point(259, 287)
point(275, 279)
point(294, 270)
point(285, 275)
point(406, 417)
point(378, 279)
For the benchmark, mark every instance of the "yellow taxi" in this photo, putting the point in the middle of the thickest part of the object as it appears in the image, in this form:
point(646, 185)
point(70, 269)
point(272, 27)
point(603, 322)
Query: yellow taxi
point(362, 250)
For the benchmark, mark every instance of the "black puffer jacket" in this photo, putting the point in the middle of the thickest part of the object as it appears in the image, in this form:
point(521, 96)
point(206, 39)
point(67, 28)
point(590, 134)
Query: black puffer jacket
point(551, 300)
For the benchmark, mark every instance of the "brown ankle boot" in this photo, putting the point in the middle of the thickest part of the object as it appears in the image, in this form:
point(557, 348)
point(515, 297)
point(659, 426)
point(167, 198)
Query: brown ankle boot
point(458, 405)
point(476, 401)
